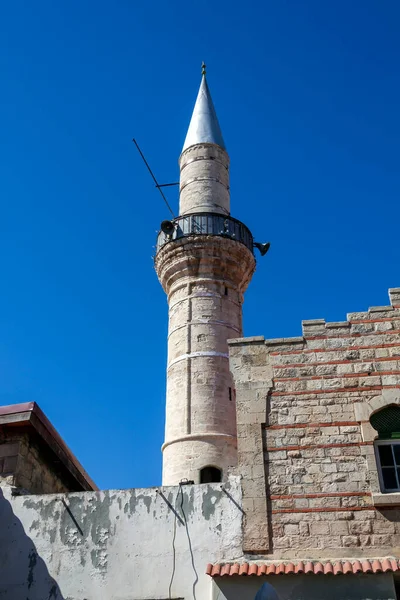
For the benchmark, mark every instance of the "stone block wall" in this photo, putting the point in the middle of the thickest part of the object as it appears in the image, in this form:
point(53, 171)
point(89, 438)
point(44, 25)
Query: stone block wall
point(303, 405)
point(204, 180)
point(25, 465)
point(205, 278)
point(8, 462)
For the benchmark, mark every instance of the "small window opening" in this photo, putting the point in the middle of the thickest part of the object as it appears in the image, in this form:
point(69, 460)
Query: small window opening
point(388, 458)
point(226, 291)
point(210, 475)
point(387, 447)
point(230, 394)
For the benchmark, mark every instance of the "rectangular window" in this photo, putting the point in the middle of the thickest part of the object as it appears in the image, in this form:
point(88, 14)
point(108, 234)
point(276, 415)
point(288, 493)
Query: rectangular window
point(388, 461)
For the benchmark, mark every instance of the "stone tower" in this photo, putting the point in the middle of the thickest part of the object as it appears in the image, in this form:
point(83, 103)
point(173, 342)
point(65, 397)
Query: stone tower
point(204, 262)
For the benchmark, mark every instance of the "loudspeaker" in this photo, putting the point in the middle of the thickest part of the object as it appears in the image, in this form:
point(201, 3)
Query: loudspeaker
point(263, 248)
point(167, 227)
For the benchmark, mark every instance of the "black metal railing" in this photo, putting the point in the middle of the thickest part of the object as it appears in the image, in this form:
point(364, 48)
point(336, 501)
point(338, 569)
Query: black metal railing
point(207, 224)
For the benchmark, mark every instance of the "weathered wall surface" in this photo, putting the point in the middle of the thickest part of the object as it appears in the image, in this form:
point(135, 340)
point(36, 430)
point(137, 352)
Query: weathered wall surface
point(204, 180)
point(305, 403)
point(312, 587)
point(252, 374)
point(117, 545)
point(205, 278)
point(24, 465)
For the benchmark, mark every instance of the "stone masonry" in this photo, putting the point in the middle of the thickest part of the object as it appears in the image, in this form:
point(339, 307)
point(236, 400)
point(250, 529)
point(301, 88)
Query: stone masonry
point(34, 459)
point(24, 465)
point(305, 443)
point(204, 276)
point(204, 184)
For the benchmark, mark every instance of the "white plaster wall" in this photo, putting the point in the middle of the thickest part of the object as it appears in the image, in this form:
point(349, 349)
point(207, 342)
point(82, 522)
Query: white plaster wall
point(117, 544)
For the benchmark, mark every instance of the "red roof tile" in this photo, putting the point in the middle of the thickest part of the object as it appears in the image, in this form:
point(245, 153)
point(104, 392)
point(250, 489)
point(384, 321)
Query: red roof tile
point(289, 569)
point(309, 567)
point(319, 569)
point(357, 567)
point(337, 568)
point(299, 568)
point(328, 567)
point(366, 566)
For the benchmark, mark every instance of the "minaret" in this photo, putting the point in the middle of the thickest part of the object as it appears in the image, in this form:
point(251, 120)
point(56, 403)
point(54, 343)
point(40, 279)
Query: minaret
point(204, 262)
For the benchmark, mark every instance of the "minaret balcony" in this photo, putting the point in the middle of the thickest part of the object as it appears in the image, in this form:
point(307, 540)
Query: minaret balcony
point(195, 224)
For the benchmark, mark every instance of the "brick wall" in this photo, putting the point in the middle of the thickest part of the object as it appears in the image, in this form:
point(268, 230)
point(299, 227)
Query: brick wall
point(8, 462)
point(303, 408)
point(25, 465)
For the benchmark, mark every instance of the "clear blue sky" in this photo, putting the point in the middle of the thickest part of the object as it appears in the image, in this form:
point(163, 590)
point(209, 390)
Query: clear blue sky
point(307, 95)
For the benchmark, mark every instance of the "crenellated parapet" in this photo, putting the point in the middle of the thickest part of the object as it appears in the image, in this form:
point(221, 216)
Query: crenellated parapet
point(306, 414)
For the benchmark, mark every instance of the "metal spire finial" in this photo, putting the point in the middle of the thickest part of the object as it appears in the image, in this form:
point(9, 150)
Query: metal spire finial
point(204, 126)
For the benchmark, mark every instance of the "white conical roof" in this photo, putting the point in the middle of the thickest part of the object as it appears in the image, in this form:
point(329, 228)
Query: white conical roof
point(204, 126)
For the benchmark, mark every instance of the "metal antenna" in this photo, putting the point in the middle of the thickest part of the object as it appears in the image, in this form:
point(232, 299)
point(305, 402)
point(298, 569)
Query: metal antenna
point(158, 186)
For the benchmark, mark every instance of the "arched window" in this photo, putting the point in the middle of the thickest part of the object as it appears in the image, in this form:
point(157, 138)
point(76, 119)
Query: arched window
point(210, 475)
point(387, 447)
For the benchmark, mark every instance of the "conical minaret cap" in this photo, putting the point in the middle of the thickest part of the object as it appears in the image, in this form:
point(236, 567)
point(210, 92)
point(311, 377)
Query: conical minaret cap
point(204, 126)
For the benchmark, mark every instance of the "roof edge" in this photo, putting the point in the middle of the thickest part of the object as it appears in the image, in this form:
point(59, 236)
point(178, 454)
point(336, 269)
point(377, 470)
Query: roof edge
point(30, 413)
point(306, 567)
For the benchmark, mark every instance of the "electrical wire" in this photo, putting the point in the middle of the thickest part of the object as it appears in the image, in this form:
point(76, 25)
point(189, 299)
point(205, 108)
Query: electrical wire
point(173, 552)
point(180, 491)
point(190, 546)
point(154, 179)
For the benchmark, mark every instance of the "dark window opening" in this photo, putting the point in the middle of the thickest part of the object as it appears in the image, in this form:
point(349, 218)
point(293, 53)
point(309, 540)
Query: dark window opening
point(387, 422)
point(226, 291)
point(387, 447)
point(388, 458)
point(230, 393)
point(210, 475)
point(397, 587)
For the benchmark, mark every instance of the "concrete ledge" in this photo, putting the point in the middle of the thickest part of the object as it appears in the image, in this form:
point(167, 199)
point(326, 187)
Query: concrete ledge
point(337, 325)
point(386, 499)
point(202, 437)
point(313, 322)
point(394, 297)
point(257, 339)
point(279, 341)
point(380, 308)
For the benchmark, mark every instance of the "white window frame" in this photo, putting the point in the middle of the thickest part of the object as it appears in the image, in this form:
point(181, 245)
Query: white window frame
point(392, 442)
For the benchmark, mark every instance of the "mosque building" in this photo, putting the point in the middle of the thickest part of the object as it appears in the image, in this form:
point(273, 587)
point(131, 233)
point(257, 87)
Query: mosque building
point(281, 458)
